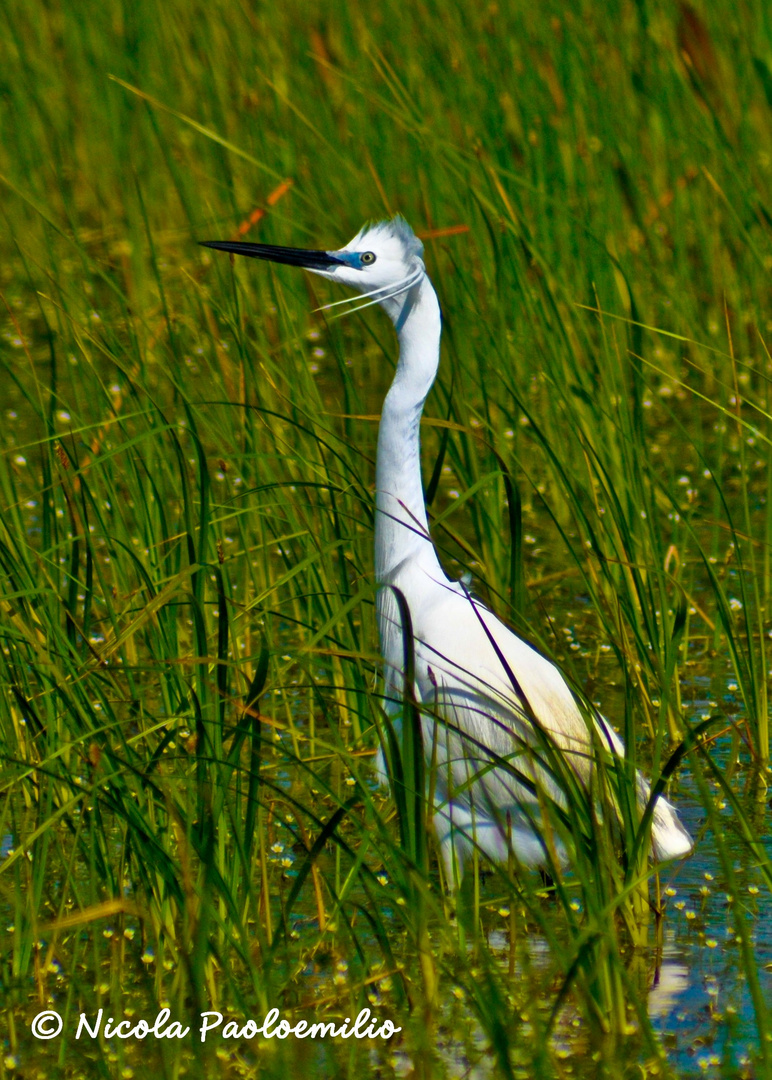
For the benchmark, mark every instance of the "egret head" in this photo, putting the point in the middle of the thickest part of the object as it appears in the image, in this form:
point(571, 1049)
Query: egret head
point(383, 262)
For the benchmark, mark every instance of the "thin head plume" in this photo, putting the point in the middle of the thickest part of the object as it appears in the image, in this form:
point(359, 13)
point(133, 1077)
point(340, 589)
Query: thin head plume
point(363, 296)
point(389, 291)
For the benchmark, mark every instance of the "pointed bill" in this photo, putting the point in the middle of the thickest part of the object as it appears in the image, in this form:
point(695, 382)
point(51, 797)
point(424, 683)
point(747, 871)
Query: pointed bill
point(311, 260)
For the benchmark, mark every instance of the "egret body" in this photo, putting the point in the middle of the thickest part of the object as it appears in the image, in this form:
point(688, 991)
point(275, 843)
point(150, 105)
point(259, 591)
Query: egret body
point(483, 690)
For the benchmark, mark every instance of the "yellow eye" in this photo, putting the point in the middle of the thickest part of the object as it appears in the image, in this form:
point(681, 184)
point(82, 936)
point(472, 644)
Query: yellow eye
point(366, 258)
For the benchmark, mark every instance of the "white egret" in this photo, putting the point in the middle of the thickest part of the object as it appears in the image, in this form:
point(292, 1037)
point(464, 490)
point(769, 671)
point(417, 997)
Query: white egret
point(498, 697)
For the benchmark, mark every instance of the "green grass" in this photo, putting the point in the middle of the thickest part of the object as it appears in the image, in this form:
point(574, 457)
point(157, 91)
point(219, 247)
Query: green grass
point(189, 656)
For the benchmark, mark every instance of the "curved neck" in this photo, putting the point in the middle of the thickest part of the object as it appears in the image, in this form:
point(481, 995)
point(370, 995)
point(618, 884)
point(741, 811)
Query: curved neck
point(401, 526)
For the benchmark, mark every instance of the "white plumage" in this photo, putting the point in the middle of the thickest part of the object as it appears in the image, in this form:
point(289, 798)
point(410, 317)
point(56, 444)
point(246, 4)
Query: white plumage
point(483, 691)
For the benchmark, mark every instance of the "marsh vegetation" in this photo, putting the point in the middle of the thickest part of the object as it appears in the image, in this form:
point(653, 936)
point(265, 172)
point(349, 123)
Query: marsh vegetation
point(188, 653)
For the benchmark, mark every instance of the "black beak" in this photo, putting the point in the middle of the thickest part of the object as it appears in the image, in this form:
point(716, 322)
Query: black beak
point(312, 260)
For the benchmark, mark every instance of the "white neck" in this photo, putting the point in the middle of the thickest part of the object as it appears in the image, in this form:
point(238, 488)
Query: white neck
point(401, 526)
